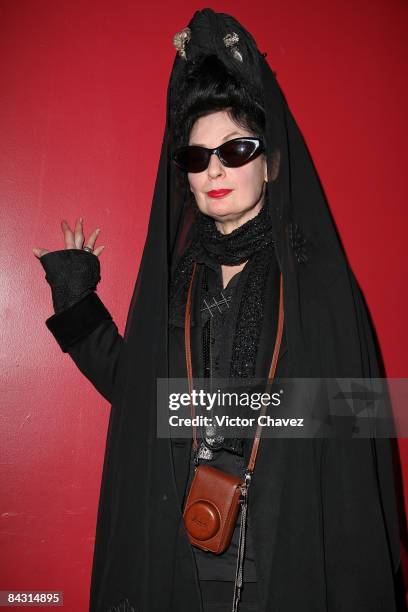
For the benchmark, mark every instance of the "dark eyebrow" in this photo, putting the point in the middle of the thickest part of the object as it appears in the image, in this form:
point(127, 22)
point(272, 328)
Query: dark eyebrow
point(196, 144)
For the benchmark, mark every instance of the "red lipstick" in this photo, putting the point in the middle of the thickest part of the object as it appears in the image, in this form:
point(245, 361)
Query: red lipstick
point(218, 193)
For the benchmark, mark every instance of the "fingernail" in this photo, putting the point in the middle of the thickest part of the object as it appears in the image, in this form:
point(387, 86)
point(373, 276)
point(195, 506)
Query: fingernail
point(98, 230)
point(80, 218)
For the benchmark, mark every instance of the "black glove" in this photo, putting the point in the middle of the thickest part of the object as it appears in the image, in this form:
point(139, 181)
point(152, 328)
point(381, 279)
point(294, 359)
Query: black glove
point(72, 274)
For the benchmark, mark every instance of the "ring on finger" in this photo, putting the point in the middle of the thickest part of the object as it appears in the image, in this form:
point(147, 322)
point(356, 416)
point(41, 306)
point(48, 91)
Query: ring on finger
point(88, 248)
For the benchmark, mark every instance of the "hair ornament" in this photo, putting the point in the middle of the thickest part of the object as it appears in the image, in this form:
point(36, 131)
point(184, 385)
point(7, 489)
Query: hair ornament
point(229, 41)
point(180, 39)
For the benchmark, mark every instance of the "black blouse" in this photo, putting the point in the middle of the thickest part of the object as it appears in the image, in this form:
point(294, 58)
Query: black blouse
point(217, 323)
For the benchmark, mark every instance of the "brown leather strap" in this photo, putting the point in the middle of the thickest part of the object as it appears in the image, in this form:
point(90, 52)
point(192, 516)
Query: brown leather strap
point(187, 346)
point(272, 369)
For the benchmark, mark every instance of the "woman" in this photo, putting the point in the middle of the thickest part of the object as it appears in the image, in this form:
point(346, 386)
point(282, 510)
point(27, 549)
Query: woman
point(322, 529)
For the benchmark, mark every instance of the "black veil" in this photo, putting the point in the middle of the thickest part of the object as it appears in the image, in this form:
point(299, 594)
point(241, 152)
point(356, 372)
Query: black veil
point(327, 326)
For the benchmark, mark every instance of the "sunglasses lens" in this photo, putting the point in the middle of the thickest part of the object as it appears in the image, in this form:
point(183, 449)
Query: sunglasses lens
point(191, 159)
point(237, 153)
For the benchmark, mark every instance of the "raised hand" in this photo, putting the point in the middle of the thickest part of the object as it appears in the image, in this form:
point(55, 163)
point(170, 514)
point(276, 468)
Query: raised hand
point(75, 239)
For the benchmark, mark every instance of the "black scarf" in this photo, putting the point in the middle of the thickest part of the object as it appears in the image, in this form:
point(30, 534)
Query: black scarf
point(252, 242)
point(240, 244)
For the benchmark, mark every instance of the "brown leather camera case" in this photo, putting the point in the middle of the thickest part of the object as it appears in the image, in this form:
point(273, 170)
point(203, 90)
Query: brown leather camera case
point(211, 508)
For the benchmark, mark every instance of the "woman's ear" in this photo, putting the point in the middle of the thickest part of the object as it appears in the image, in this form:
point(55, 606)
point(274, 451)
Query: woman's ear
point(275, 165)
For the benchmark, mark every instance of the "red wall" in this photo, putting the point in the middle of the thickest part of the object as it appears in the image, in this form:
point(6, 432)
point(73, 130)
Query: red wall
point(82, 103)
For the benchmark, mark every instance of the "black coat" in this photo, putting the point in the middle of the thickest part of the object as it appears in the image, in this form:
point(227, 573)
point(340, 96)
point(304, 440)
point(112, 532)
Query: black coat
point(319, 523)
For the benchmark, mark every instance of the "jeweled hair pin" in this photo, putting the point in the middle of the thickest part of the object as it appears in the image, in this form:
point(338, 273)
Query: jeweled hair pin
point(180, 39)
point(230, 40)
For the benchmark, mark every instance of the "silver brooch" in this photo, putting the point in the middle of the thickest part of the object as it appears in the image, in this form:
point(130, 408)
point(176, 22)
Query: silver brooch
point(229, 41)
point(179, 41)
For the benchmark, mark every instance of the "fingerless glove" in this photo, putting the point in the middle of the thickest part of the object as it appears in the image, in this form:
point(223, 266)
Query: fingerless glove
point(72, 274)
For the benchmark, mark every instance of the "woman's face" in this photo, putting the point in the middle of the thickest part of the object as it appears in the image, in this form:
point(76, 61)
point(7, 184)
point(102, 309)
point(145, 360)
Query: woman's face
point(247, 182)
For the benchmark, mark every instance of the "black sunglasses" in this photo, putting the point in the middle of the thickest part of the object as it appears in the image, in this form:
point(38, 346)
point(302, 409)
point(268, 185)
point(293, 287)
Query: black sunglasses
point(233, 153)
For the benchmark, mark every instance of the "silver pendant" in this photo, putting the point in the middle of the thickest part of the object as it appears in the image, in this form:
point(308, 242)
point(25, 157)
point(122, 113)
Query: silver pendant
point(204, 452)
